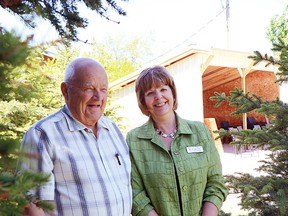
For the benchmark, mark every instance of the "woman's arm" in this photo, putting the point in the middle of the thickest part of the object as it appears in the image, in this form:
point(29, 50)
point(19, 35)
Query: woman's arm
point(215, 191)
point(141, 202)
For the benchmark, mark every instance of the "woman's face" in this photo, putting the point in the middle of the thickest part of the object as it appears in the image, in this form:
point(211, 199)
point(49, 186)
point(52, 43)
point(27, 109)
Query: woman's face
point(159, 101)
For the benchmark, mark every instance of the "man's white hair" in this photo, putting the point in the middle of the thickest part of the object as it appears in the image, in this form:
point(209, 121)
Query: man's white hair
point(70, 69)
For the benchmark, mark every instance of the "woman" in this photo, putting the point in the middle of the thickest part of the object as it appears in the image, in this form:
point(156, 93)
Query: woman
point(176, 169)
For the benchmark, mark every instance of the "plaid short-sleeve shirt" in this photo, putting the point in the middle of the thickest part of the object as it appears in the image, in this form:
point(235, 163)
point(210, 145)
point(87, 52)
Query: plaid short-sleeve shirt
point(89, 175)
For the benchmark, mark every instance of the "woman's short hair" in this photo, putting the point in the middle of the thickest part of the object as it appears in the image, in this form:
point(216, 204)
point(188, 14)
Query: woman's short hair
point(153, 77)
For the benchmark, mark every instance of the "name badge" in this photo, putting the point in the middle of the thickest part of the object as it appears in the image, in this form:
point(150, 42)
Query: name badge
point(194, 149)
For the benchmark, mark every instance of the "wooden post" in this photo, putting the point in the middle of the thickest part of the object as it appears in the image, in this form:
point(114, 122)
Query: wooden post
point(211, 124)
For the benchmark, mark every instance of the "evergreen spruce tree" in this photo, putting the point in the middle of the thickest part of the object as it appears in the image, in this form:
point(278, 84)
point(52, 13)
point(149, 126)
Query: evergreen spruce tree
point(264, 195)
point(13, 188)
point(62, 14)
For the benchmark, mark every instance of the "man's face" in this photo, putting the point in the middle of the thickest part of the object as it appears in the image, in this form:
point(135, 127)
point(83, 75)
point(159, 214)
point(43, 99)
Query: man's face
point(86, 95)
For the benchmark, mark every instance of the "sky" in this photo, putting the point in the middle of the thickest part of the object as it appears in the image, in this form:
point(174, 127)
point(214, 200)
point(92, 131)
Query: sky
point(172, 24)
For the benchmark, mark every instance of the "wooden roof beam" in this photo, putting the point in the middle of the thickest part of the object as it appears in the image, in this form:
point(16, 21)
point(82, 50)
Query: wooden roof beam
point(243, 73)
point(205, 65)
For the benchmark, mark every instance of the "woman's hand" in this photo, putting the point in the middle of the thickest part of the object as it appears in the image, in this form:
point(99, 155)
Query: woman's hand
point(209, 209)
point(152, 213)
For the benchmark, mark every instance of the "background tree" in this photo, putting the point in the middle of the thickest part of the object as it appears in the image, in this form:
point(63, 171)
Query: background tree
point(15, 95)
point(278, 28)
point(119, 56)
point(266, 194)
point(64, 15)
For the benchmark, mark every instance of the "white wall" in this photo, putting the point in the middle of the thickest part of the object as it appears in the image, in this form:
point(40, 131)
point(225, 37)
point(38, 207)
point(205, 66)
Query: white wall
point(126, 98)
point(188, 80)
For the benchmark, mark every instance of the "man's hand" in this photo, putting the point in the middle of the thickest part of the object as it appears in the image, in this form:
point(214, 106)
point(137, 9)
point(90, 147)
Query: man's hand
point(33, 210)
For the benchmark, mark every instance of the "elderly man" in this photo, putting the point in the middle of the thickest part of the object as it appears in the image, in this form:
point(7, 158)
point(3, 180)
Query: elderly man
point(83, 151)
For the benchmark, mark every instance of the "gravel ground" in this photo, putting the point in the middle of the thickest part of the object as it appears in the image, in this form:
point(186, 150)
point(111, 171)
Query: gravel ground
point(245, 162)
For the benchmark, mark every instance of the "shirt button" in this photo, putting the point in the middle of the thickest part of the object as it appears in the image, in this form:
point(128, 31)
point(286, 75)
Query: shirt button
point(169, 167)
point(185, 187)
point(181, 169)
point(88, 130)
